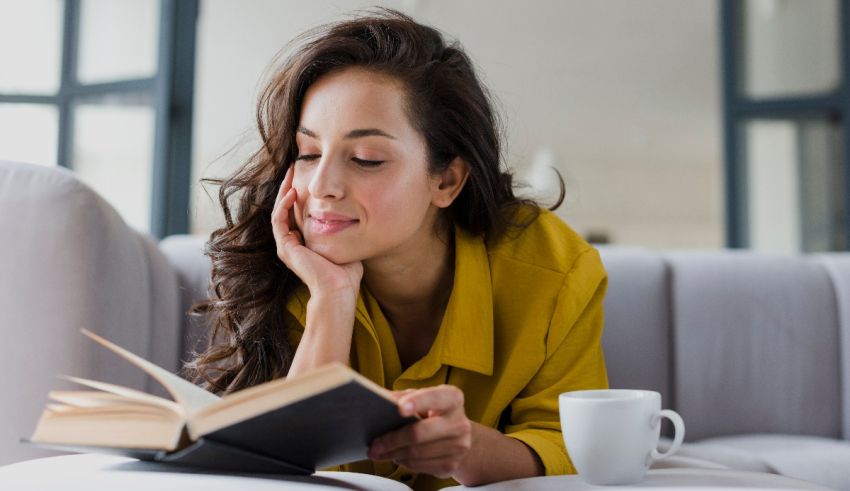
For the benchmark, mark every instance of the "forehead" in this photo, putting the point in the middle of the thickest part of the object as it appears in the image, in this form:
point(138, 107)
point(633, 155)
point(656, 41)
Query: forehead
point(355, 98)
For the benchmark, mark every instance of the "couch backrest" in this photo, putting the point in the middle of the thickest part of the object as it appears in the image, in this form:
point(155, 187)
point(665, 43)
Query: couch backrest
point(186, 255)
point(755, 344)
point(751, 343)
point(737, 342)
point(636, 339)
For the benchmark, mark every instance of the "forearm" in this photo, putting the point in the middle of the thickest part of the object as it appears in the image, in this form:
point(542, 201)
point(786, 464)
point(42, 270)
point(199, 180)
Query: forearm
point(496, 457)
point(327, 335)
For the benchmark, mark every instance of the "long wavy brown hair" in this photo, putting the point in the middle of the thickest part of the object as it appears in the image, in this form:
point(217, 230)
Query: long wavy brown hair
point(445, 101)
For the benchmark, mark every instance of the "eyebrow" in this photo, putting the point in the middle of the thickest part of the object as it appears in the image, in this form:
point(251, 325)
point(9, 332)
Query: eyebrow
point(359, 133)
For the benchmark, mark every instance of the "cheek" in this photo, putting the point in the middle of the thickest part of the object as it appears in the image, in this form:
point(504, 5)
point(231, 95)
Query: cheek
point(404, 205)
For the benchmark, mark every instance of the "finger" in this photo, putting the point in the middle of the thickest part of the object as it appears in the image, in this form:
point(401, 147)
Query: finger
point(291, 211)
point(442, 399)
point(283, 192)
point(399, 393)
point(298, 237)
point(287, 237)
point(281, 216)
point(290, 252)
point(441, 467)
point(449, 446)
point(427, 430)
point(284, 186)
point(290, 175)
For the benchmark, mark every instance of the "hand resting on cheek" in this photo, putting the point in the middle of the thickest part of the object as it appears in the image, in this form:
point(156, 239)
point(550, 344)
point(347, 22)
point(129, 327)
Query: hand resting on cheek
point(318, 273)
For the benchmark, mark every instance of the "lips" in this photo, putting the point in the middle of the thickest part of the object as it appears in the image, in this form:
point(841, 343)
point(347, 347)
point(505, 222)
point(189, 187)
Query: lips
point(327, 223)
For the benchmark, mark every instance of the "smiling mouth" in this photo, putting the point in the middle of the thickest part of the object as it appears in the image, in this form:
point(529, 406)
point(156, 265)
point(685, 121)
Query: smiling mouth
point(327, 227)
point(326, 222)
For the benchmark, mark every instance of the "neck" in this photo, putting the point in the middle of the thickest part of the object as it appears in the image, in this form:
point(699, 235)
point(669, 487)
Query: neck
point(415, 282)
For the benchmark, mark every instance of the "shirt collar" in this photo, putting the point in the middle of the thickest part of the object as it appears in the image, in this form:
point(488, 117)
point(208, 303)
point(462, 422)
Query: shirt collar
point(465, 339)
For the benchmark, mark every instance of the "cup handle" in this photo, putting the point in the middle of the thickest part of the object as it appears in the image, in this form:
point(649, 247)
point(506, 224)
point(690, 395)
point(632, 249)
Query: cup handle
point(679, 426)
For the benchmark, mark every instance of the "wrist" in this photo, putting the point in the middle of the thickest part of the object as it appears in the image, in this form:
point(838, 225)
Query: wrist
point(333, 301)
point(467, 472)
point(327, 334)
point(332, 309)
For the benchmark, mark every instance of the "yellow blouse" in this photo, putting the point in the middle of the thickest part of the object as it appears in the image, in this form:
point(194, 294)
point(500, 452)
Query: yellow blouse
point(523, 324)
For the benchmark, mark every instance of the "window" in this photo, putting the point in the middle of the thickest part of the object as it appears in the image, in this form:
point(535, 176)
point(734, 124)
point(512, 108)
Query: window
point(786, 131)
point(105, 89)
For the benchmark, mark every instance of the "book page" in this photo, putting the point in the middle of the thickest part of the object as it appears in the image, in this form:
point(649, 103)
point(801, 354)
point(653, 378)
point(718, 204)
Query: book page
point(188, 395)
point(118, 393)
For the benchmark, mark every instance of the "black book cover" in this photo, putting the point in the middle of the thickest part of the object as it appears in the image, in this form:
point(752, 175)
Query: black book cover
point(329, 428)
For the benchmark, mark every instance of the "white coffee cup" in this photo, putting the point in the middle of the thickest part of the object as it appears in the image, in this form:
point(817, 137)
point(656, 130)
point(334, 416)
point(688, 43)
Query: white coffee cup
point(612, 435)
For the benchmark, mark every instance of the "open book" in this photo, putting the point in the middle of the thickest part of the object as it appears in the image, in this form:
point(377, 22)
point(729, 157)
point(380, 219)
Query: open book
point(296, 425)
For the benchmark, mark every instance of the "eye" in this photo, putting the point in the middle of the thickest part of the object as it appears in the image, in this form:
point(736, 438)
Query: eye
point(307, 158)
point(368, 163)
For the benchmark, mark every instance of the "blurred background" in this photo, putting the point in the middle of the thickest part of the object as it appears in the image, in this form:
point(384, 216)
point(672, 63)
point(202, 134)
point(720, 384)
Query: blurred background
point(675, 123)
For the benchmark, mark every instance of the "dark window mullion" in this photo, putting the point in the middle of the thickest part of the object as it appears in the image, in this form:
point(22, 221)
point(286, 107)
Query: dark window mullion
point(174, 105)
point(133, 85)
point(70, 42)
point(736, 201)
point(789, 106)
point(844, 91)
point(28, 99)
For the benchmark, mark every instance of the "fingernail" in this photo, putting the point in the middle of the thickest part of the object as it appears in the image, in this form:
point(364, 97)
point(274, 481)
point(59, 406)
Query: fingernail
point(407, 408)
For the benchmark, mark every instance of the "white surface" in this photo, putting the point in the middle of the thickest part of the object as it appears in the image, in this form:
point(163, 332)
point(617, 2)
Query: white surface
point(679, 479)
point(102, 472)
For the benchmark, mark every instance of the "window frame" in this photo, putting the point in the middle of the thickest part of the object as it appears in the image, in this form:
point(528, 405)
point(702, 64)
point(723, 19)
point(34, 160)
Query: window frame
point(738, 108)
point(171, 92)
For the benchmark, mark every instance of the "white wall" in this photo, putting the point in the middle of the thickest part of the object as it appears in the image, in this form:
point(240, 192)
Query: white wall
point(624, 95)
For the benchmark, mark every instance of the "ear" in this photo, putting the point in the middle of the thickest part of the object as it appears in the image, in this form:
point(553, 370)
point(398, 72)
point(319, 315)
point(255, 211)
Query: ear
point(446, 185)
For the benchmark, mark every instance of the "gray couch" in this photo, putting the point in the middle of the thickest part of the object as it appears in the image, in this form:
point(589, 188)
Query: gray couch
point(752, 350)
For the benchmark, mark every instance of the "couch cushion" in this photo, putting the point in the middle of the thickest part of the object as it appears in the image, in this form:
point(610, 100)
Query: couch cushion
point(723, 456)
point(636, 338)
point(755, 345)
point(822, 461)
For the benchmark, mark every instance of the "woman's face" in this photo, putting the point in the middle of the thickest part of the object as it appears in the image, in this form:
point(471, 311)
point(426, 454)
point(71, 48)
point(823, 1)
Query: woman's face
point(361, 174)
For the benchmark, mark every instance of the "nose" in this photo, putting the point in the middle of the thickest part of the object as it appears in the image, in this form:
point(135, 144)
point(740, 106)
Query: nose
point(327, 181)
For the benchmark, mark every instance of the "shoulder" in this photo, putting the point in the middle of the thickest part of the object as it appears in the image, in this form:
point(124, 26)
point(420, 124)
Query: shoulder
point(546, 244)
point(544, 277)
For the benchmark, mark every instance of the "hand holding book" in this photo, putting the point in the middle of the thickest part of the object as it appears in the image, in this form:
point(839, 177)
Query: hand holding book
point(435, 445)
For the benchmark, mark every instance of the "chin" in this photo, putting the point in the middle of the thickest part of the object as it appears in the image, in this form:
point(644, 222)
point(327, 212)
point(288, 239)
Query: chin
point(333, 253)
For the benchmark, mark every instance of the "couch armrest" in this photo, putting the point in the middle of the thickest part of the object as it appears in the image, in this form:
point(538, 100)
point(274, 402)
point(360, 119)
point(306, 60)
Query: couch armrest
point(69, 261)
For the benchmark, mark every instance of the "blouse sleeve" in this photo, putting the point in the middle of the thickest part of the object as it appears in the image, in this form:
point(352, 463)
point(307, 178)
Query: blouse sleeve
point(574, 361)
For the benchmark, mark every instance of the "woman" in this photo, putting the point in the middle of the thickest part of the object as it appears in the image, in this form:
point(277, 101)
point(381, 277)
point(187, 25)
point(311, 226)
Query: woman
point(376, 227)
